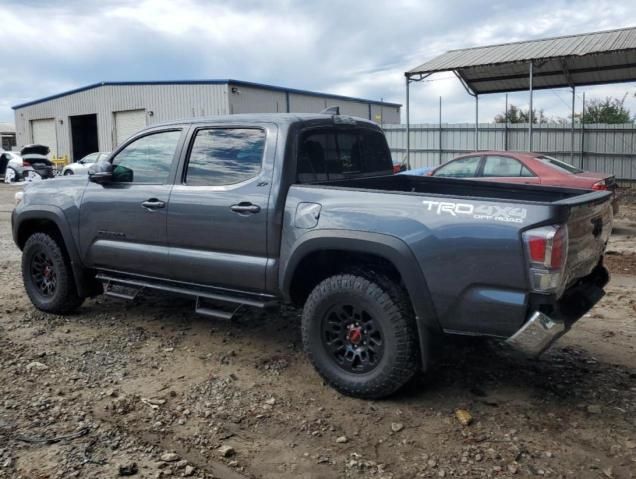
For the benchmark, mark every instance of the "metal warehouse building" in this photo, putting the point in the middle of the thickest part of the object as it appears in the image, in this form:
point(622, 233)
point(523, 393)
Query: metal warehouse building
point(101, 116)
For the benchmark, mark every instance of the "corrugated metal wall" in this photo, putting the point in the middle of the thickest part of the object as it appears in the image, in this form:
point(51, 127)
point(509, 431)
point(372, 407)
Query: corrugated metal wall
point(255, 100)
point(606, 148)
point(173, 102)
point(166, 102)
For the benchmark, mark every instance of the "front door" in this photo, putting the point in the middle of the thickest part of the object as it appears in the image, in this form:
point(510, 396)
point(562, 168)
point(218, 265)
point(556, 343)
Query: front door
point(123, 223)
point(217, 220)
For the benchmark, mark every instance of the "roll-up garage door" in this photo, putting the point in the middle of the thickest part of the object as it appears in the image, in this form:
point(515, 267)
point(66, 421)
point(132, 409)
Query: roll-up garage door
point(128, 123)
point(44, 134)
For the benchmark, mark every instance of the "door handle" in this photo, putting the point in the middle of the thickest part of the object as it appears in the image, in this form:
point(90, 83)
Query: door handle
point(153, 204)
point(245, 207)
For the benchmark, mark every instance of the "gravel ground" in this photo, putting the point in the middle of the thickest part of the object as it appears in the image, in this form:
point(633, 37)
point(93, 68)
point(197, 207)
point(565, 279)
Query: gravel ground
point(150, 389)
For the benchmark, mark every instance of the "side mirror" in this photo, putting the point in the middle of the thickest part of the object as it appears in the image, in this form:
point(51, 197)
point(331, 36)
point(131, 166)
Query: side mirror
point(101, 173)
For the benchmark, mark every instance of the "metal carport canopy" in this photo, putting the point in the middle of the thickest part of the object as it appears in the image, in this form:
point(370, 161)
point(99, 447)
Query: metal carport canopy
point(568, 61)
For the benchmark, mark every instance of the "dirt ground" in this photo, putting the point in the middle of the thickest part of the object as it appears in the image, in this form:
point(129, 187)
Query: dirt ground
point(153, 388)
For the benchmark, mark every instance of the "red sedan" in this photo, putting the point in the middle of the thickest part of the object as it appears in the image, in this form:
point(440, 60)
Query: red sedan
point(526, 168)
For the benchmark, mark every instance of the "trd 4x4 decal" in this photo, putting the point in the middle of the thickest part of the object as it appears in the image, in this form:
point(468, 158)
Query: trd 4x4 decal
point(506, 214)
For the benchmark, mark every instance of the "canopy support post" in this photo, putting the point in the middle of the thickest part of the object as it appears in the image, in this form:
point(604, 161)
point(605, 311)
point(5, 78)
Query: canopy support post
point(572, 132)
point(408, 125)
point(440, 130)
point(477, 122)
point(506, 125)
point(531, 73)
point(582, 133)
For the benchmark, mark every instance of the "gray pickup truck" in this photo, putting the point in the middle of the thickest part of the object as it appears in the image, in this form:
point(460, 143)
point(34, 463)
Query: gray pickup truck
point(252, 210)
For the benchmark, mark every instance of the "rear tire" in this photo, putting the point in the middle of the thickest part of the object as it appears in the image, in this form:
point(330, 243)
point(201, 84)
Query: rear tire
point(68, 172)
point(360, 335)
point(47, 275)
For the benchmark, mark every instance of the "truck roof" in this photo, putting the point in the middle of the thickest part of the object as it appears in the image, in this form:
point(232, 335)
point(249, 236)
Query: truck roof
point(278, 118)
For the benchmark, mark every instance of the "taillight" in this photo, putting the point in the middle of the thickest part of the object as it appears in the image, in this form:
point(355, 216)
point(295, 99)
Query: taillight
point(599, 185)
point(26, 163)
point(547, 250)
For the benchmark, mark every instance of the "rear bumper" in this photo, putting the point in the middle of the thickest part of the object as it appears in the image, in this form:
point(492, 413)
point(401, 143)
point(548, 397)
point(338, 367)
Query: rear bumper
point(547, 325)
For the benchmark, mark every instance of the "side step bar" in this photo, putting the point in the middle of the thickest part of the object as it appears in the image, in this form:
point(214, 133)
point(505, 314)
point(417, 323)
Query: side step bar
point(200, 294)
point(213, 313)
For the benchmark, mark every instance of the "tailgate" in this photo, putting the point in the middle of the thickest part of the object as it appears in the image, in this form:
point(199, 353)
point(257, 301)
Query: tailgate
point(589, 227)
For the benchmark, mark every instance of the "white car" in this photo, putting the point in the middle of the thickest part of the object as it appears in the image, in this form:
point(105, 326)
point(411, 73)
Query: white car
point(81, 167)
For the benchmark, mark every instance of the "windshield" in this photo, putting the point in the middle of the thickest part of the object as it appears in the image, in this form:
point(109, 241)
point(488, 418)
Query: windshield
point(559, 165)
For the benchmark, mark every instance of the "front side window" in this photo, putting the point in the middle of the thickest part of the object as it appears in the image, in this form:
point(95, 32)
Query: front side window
point(146, 160)
point(225, 156)
point(504, 166)
point(336, 154)
point(461, 168)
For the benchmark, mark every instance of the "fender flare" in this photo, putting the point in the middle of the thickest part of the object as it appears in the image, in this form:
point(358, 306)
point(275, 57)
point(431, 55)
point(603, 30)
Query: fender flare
point(391, 248)
point(84, 283)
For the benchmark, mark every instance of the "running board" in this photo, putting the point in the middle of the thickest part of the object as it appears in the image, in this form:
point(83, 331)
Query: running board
point(140, 284)
point(114, 294)
point(214, 313)
point(108, 291)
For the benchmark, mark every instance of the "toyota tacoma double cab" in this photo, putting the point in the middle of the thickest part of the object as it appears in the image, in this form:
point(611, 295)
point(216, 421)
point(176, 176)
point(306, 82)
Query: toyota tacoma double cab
point(254, 210)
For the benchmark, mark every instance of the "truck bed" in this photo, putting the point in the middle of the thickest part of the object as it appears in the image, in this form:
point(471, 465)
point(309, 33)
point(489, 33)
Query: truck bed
point(466, 237)
point(455, 188)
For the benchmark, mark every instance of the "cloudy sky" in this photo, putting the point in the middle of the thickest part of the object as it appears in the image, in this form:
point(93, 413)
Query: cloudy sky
point(357, 48)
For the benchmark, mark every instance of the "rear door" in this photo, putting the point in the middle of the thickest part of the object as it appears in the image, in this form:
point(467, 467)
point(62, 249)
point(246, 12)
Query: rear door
point(123, 223)
point(217, 220)
point(507, 170)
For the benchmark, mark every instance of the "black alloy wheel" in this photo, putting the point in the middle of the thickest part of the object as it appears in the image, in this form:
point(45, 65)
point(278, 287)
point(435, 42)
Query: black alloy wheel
point(352, 337)
point(43, 274)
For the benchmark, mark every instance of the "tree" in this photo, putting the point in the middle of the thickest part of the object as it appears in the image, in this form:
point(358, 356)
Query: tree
point(609, 110)
point(517, 115)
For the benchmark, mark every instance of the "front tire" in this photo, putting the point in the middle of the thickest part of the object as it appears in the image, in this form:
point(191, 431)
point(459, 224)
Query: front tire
point(68, 172)
point(47, 275)
point(360, 335)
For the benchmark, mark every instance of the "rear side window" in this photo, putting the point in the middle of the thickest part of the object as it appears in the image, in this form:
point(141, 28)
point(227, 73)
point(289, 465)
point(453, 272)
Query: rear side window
point(225, 156)
point(562, 166)
point(504, 166)
point(461, 168)
point(336, 154)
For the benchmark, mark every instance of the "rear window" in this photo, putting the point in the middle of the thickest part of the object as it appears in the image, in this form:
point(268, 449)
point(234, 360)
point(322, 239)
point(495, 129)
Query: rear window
point(559, 165)
point(335, 154)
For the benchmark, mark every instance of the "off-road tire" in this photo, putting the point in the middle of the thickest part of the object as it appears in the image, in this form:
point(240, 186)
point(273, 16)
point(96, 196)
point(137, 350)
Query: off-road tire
point(64, 299)
point(389, 305)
